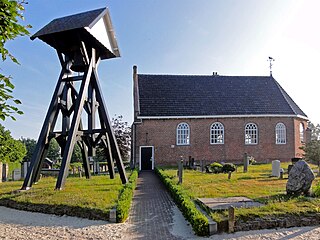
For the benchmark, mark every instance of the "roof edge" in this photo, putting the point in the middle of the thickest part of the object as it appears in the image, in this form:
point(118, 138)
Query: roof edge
point(224, 116)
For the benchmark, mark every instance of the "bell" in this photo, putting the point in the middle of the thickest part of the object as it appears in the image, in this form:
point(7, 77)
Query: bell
point(78, 62)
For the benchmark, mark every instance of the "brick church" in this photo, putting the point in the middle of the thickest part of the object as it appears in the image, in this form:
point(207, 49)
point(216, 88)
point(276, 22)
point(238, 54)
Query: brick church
point(215, 118)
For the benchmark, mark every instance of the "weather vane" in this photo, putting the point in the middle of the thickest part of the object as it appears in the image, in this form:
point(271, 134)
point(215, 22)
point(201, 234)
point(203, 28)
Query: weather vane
point(270, 65)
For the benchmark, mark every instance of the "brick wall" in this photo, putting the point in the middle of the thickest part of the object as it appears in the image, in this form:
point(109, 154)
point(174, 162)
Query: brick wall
point(162, 135)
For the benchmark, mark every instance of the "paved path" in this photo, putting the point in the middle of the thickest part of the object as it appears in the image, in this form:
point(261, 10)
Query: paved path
point(153, 214)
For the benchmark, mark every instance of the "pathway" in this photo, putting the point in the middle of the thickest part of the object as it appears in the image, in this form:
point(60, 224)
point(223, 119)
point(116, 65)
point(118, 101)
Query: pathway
point(153, 214)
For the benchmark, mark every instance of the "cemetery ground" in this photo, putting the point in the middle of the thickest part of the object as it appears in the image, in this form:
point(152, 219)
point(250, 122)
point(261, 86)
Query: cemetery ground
point(89, 198)
point(256, 184)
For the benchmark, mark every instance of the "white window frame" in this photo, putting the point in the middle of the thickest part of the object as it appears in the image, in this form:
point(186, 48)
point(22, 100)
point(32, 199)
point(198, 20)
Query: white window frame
point(251, 134)
point(217, 133)
point(183, 134)
point(281, 133)
point(301, 132)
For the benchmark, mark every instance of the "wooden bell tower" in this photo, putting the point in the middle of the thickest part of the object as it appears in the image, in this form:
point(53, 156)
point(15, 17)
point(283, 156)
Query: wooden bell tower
point(77, 107)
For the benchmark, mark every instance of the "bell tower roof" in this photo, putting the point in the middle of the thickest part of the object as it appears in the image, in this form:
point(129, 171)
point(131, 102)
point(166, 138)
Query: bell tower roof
point(94, 28)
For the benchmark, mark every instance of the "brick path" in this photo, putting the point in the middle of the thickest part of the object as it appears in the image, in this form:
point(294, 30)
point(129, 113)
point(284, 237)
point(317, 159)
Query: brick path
point(151, 215)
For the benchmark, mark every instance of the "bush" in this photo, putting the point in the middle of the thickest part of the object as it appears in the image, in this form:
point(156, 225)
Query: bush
point(198, 221)
point(125, 197)
point(317, 190)
point(228, 167)
point(216, 167)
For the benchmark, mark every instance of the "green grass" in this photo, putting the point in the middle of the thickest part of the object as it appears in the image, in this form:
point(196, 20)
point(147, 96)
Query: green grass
point(92, 198)
point(255, 184)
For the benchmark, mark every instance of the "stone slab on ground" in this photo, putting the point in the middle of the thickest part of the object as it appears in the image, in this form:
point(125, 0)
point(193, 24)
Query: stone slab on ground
point(225, 203)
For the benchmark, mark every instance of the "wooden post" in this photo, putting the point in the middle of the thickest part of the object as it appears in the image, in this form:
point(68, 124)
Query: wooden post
point(180, 171)
point(231, 219)
point(245, 163)
point(80, 172)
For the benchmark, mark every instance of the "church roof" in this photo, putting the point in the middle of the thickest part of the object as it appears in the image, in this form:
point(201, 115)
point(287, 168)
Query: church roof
point(189, 95)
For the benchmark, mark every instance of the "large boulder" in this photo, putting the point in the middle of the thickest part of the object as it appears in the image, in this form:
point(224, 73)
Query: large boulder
point(300, 179)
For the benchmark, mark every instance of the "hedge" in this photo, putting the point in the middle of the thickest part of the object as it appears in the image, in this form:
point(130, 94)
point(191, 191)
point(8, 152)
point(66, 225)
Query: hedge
point(198, 221)
point(125, 197)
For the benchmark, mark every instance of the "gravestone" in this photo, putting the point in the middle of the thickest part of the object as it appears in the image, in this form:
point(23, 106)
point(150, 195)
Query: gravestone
point(24, 169)
point(300, 179)
point(16, 174)
point(275, 168)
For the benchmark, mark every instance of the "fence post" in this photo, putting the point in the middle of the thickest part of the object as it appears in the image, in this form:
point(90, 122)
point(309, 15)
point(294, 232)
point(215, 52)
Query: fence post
point(245, 163)
point(231, 219)
point(180, 171)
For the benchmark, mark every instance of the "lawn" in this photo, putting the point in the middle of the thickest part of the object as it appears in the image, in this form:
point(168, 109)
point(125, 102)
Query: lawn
point(255, 184)
point(92, 198)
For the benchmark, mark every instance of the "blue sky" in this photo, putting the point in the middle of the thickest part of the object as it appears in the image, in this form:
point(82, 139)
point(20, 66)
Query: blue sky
point(231, 37)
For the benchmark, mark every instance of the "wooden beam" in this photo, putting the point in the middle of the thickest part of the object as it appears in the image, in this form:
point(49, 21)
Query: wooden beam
point(74, 128)
point(104, 115)
point(46, 128)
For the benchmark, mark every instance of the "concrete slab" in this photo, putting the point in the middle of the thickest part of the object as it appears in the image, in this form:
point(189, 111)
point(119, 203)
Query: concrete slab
point(225, 203)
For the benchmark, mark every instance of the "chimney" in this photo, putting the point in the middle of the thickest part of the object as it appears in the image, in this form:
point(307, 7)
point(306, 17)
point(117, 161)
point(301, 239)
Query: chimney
point(215, 74)
point(135, 93)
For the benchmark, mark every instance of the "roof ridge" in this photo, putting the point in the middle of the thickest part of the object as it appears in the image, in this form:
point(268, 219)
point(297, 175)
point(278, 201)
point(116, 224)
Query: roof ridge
point(199, 75)
point(79, 13)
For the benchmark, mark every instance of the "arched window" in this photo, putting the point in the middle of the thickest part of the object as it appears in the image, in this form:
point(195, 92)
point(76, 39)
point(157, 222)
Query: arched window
point(281, 133)
point(183, 134)
point(217, 133)
point(251, 134)
point(301, 130)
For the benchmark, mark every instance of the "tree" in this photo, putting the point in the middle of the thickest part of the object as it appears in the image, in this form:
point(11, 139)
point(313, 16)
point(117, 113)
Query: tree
point(11, 150)
point(30, 146)
point(312, 152)
point(123, 136)
point(10, 28)
point(54, 150)
point(315, 131)
point(122, 133)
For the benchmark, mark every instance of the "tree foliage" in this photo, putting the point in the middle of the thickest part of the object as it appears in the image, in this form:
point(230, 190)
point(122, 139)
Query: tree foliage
point(315, 131)
point(54, 150)
point(123, 136)
point(11, 150)
point(11, 12)
point(30, 146)
point(312, 151)
point(122, 133)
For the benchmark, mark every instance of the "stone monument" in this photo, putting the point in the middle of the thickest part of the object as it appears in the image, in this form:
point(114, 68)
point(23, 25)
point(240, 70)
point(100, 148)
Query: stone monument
point(300, 179)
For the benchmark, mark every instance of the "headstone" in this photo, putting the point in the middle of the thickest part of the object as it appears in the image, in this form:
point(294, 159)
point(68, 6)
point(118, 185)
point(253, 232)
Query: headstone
point(300, 179)
point(16, 174)
point(24, 169)
point(275, 168)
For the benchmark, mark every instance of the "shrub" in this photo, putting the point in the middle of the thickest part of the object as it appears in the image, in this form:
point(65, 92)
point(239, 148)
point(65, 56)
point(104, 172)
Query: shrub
point(125, 197)
point(198, 221)
point(317, 190)
point(216, 167)
point(228, 167)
